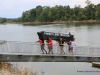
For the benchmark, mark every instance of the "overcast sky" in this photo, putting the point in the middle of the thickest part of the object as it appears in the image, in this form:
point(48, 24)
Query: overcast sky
point(14, 8)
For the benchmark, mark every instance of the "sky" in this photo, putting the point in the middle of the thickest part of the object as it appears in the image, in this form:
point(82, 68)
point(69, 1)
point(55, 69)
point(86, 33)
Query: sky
point(15, 8)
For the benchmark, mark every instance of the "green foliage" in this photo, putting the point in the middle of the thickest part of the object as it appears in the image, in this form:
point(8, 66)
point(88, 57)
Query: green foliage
point(68, 12)
point(32, 16)
point(26, 16)
point(97, 13)
point(3, 20)
point(59, 13)
point(45, 16)
point(88, 2)
point(53, 13)
point(39, 10)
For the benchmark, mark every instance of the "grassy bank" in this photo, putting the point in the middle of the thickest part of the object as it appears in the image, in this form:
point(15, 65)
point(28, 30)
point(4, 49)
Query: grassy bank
point(9, 69)
point(84, 21)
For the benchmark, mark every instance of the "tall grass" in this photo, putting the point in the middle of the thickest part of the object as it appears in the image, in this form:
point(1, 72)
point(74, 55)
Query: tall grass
point(9, 69)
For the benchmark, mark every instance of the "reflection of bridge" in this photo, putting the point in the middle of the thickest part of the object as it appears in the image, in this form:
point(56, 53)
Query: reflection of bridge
point(28, 51)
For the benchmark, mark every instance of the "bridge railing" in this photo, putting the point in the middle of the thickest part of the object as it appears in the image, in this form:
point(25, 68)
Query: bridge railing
point(30, 47)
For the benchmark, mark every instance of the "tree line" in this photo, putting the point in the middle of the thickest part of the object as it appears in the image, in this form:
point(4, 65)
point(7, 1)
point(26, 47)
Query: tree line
point(60, 13)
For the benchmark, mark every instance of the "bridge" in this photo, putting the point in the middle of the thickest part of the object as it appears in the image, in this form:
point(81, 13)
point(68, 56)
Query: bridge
point(15, 51)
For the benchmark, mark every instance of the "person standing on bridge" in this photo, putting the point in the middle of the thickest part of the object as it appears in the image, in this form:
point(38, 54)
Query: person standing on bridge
point(61, 44)
point(70, 43)
point(50, 44)
point(41, 41)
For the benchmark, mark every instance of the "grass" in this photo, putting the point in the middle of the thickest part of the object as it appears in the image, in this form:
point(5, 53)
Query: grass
point(9, 69)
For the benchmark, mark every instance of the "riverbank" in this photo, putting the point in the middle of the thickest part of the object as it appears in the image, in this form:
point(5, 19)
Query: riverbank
point(96, 64)
point(84, 21)
point(9, 69)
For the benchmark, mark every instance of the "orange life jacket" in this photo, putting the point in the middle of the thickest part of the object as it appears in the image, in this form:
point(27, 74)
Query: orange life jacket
point(60, 42)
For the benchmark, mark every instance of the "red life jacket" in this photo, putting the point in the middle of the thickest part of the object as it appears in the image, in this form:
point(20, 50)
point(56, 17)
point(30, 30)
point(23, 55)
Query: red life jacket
point(40, 41)
point(50, 41)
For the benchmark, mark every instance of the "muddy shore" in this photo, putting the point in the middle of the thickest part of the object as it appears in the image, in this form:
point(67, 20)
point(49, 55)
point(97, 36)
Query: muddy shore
point(84, 21)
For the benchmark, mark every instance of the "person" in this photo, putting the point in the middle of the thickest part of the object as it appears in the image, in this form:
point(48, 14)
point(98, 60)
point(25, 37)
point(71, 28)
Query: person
point(61, 44)
point(50, 44)
point(41, 41)
point(70, 43)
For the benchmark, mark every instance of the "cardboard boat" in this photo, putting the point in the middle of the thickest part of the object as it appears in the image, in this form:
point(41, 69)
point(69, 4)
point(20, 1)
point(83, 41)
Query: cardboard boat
point(55, 36)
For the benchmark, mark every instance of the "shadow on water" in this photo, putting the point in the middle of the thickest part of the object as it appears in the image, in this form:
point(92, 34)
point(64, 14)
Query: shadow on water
point(37, 24)
point(63, 25)
point(86, 24)
point(2, 24)
point(96, 67)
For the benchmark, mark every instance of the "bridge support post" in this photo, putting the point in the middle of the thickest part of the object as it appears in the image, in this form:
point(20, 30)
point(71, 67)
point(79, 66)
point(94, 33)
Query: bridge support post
point(65, 57)
point(20, 56)
point(98, 58)
point(77, 58)
point(1, 56)
point(89, 58)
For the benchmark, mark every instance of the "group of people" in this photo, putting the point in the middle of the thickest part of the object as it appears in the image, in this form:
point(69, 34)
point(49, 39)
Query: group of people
point(61, 44)
point(50, 44)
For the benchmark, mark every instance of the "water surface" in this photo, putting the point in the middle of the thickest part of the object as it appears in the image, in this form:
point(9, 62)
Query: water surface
point(86, 34)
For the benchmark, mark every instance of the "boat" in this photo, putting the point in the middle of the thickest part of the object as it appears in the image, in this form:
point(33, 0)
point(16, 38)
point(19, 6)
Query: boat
point(55, 36)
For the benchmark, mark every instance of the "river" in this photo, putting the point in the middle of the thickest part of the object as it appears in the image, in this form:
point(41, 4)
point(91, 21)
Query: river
point(86, 34)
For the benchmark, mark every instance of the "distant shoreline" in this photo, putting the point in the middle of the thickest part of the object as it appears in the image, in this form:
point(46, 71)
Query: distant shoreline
point(84, 21)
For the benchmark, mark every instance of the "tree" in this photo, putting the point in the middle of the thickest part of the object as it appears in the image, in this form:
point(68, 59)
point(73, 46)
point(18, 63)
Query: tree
point(2, 20)
point(39, 10)
point(97, 13)
point(67, 11)
point(81, 15)
point(88, 2)
point(19, 19)
point(90, 10)
point(77, 9)
point(32, 15)
point(44, 16)
point(60, 12)
point(53, 13)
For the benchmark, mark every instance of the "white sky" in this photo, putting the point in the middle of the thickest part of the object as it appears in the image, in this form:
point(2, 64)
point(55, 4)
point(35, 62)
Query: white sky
point(14, 8)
